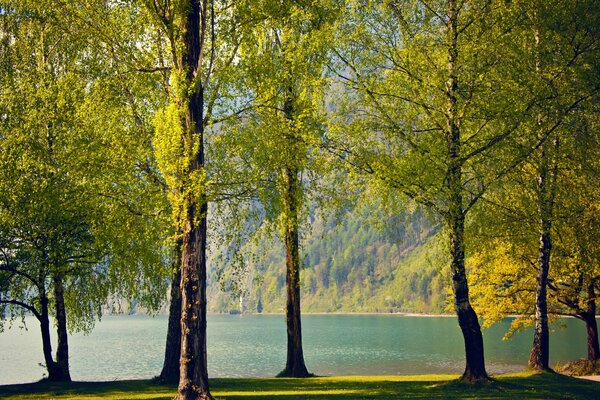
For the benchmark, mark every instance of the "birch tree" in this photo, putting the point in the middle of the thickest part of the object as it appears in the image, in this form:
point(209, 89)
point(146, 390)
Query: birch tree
point(432, 116)
point(74, 228)
point(277, 138)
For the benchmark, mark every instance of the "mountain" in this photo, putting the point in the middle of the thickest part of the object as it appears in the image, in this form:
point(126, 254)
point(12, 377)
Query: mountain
point(359, 264)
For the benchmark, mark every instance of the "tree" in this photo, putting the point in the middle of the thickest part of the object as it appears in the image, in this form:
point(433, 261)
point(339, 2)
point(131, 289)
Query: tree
point(450, 100)
point(70, 194)
point(504, 269)
point(200, 37)
point(185, 117)
point(434, 116)
point(283, 56)
point(572, 44)
point(562, 55)
point(576, 260)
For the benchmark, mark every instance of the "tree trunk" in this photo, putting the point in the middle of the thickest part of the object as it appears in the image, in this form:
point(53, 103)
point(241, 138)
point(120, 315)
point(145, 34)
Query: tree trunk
point(591, 325)
point(53, 373)
point(193, 374)
point(294, 366)
point(539, 359)
point(540, 352)
point(62, 348)
point(170, 370)
point(467, 318)
point(455, 217)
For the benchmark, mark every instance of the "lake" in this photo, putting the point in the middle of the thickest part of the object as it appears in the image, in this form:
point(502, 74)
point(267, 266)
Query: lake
point(131, 347)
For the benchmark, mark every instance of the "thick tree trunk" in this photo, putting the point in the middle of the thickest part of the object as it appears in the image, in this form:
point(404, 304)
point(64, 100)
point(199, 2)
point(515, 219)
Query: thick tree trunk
point(53, 372)
point(294, 366)
point(62, 348)
point(170, 370)
point(455, 216)
point(593, 350)
point(193, 373)
point(539, 359)
point(591, 325)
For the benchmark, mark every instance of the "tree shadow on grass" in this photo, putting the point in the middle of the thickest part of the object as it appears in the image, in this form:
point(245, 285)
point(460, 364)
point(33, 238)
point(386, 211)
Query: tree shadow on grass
point(528, 386)
point(111, 390)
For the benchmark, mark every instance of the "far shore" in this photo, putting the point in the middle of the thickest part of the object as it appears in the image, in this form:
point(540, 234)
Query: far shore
point(400, 314)
point(397, 314)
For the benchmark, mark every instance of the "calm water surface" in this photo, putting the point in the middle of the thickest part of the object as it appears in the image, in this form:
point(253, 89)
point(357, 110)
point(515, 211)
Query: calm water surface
point(128, 347)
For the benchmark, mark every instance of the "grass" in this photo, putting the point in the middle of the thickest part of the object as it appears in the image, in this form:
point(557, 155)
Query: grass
point(524, 385)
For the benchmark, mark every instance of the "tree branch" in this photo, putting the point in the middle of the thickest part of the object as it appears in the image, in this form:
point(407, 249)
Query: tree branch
point(24, 305)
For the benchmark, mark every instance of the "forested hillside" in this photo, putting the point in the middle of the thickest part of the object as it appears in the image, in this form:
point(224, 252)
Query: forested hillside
point(358, 264)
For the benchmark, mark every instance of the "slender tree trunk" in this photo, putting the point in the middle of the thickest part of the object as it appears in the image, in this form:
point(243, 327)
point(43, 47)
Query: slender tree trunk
point(455, 217)
point(539, 359)
point(193, 373)
point(291, 203)
point(591, 325)
point(294, 366)
point(53, 373)
point(540, 352)
point(62, 348)
point(467, 318)
point(170, 370)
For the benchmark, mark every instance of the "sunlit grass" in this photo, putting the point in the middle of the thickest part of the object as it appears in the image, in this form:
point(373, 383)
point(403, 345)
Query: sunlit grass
point(523, 385)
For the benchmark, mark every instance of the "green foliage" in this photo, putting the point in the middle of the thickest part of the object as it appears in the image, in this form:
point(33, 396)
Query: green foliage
point(271, 151)
point(77, 196)
point(504, 268)
point(395, 121)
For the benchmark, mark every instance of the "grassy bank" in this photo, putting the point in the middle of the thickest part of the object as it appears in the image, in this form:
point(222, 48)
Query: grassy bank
point(513, 386)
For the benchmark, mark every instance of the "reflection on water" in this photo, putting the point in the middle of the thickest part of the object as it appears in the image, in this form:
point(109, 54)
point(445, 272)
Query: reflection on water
point(128, 347)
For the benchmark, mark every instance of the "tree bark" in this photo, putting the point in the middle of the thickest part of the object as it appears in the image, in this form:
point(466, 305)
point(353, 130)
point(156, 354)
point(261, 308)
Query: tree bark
point(540, 352)
point(455, 217)
point(591, 324)
point(170, 370)
point(193, 374)
point(539, 359)
point(62, 348)
point(467, 318)
point(294, 366)
point(291, 202)
point(53, 373)
point(593, 350)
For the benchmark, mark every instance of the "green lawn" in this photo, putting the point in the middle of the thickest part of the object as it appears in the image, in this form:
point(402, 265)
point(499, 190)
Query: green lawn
point(514, 386)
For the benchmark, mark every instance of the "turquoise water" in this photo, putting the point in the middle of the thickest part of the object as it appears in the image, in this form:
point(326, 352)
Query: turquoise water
point(129, 347)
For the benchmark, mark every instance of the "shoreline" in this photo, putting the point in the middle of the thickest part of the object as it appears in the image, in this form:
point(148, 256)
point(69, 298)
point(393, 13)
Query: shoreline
point(395, 314)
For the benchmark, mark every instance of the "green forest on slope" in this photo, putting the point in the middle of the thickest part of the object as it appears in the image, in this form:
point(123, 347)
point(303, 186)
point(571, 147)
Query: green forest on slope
point(350, 264)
